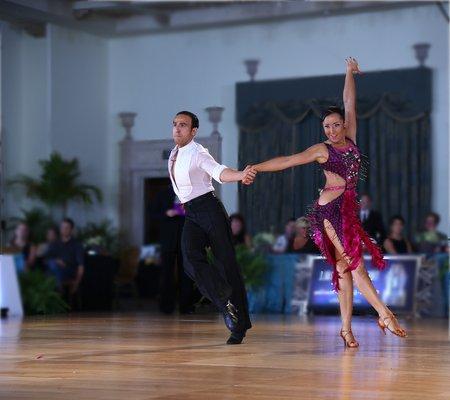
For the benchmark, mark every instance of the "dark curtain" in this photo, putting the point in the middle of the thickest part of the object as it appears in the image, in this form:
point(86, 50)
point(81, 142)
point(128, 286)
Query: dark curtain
point(399, 174)
point(395, 137)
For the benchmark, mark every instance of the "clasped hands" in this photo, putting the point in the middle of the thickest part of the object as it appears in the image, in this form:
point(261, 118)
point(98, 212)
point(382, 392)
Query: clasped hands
point(248, 175)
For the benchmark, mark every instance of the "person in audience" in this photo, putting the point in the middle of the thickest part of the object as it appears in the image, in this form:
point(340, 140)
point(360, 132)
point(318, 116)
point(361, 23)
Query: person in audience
point(430, 240)
point(65, 259)
point(396, 243)
point(239, 230)
point(51, 236)
point(284, 242)
point(371, 220)
point(22, 243)
point(302, 240)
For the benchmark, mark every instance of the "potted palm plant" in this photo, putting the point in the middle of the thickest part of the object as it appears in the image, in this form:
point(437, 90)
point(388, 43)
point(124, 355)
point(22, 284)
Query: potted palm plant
point(58, 184)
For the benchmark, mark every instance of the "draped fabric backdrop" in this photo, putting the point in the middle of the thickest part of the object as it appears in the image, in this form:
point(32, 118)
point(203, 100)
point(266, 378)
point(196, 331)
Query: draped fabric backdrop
point(393, 131)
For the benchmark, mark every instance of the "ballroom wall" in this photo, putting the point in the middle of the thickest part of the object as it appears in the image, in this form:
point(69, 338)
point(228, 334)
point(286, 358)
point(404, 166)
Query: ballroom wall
point(160, 74)
point(63, 92)
point(54, 98)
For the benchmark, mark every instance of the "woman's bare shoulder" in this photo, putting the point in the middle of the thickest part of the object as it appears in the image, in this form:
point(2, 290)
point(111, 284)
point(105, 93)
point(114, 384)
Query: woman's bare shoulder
point(321, 151)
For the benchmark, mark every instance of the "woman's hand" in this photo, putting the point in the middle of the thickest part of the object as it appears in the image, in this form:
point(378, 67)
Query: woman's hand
point(352, 65)
point(248, 175)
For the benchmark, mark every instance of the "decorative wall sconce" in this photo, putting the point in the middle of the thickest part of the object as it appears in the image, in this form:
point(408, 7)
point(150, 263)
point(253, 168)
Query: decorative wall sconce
point(421, 50)
point(252, 68)
point(127, 119)
point(215, 116)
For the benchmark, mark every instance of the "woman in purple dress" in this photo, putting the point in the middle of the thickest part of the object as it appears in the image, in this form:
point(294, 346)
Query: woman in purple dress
point(336, 228)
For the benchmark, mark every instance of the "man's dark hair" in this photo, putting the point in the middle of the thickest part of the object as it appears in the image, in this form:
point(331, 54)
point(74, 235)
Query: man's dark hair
point(333, 110)
point(69, 221)
point(194, 119)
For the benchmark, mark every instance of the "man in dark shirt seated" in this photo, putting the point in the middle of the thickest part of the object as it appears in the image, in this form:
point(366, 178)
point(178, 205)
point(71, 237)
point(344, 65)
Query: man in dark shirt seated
point(65, 258)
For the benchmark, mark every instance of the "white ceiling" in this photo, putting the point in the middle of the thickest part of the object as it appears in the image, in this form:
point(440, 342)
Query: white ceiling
point(112, 18)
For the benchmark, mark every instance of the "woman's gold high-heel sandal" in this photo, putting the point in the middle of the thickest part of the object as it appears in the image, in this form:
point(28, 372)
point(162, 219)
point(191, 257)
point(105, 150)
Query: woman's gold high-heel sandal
point(351, 343)
point(391, 324)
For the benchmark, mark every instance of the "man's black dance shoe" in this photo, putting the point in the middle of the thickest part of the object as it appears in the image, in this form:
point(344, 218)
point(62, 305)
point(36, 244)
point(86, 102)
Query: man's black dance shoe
point(236, 338)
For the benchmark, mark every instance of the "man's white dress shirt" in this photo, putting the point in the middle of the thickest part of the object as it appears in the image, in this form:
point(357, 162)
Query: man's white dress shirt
point(191, 168)
point(364, 214)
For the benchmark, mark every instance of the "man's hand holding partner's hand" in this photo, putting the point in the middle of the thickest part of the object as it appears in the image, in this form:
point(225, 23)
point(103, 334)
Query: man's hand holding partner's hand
point(249, 174)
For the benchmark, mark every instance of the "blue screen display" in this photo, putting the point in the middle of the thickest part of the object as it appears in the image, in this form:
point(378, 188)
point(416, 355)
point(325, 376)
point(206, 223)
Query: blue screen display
point(396, 285)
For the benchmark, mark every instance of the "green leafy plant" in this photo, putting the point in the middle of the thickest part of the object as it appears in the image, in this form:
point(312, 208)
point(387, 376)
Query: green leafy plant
point(39, 294)
point(58, 184)
point(102, 235)
point(252, 263)
point(263, 242)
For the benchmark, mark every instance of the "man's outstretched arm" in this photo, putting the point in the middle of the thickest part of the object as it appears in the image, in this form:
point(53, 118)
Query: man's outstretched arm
point(232, 175)
point(222, 173)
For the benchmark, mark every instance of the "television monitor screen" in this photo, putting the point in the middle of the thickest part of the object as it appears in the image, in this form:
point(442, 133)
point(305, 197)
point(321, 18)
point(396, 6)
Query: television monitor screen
point(396, 284)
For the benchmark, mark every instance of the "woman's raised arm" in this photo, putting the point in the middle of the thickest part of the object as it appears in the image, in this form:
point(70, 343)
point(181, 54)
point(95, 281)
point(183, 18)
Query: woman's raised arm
point(349, 97)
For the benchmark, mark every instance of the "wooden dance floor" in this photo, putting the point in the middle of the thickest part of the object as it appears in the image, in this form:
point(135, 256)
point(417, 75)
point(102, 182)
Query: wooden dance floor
point(155, 357)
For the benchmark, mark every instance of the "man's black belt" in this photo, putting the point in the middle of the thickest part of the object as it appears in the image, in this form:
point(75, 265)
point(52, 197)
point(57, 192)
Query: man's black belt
point(199, 199)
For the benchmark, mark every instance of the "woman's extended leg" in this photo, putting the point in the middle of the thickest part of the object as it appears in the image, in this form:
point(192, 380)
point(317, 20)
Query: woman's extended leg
point(365, 286)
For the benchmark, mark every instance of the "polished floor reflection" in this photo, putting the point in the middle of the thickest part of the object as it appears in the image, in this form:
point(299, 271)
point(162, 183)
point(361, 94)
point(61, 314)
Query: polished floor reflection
point(155, 357)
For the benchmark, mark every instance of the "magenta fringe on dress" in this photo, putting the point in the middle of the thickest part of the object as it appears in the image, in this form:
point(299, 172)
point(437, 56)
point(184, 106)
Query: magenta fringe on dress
point(343, 214)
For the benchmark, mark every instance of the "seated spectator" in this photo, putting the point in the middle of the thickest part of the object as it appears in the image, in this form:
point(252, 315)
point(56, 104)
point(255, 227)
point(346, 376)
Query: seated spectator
point(239, 230)
point(284, 242)
point(430, 240)
point(371, 220)
point(51, 237)
point(21, 243)
point(65, 259)
point(396, 243)
point(302, 240)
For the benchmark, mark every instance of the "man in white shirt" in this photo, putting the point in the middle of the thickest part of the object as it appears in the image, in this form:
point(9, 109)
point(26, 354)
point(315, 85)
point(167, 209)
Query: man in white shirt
point(191, 168)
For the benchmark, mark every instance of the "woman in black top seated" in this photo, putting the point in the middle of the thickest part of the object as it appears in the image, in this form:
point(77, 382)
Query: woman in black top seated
point(396, 243)
point(302, 239)
point(239, 233)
